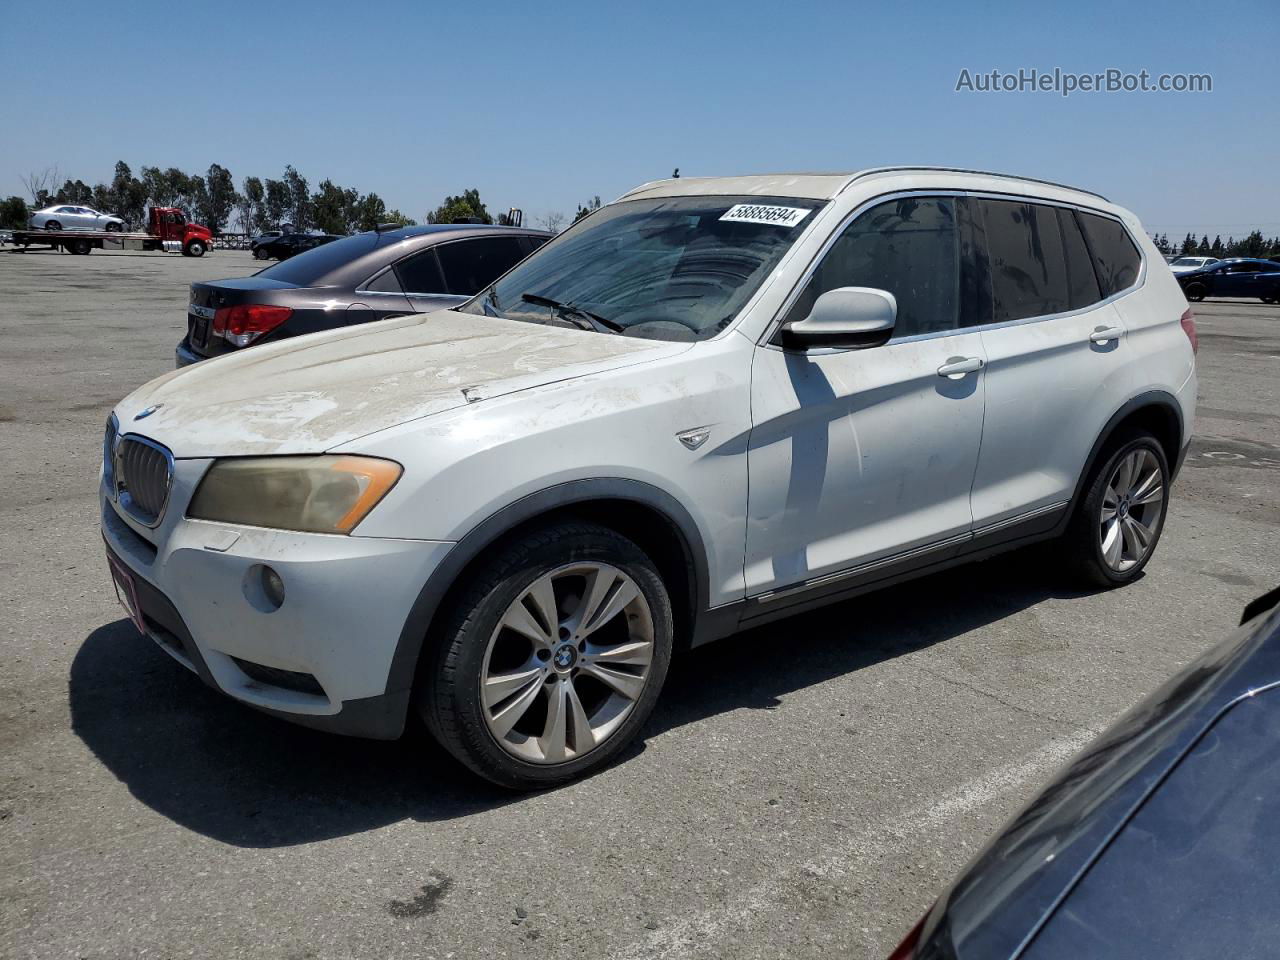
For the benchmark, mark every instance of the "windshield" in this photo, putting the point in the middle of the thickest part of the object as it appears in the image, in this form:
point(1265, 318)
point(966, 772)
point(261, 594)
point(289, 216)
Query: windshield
point(674, 268)
point(311, 266)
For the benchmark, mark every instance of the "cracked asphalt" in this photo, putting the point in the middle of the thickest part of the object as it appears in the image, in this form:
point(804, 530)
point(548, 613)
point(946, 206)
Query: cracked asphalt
point(803, 790)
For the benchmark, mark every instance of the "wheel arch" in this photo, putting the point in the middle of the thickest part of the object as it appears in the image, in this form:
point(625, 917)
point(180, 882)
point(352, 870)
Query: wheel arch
point(657, 522)
point(1156, 411)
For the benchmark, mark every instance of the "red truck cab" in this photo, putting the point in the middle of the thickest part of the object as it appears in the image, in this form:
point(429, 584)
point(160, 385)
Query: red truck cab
point(170, 225)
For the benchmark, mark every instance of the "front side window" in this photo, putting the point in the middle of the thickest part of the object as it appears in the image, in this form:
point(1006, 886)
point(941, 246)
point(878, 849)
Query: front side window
point(471, 265)
point(908, 247)
point(669, 268)
point(1115, 259)
point(1243, 268)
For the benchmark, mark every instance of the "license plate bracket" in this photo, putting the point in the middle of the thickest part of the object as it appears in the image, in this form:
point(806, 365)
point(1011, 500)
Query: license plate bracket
point(200, 332)
point(126, 592)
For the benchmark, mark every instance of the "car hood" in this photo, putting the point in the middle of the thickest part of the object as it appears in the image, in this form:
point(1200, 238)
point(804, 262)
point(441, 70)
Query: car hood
point(312, 393)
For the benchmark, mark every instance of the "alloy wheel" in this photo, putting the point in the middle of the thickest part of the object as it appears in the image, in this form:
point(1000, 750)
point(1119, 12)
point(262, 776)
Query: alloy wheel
point(1132, 506)
point(567, 663)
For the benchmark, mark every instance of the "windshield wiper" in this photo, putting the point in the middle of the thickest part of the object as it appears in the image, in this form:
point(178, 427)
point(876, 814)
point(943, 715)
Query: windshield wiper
point(569, 311)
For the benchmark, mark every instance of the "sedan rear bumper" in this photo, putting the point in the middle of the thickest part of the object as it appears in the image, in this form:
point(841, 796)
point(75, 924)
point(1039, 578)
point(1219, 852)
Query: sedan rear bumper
point(184, 356)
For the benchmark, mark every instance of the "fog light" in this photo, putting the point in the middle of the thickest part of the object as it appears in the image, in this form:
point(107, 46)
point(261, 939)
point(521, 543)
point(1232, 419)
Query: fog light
point(272, 587)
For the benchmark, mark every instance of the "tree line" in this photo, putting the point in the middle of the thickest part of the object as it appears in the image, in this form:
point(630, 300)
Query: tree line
point(1254, 245)
point(212, 199)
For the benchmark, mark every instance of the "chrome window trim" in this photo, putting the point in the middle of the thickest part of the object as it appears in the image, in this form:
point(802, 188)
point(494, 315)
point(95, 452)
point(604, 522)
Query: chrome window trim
point(771, 330)
point(123, 498)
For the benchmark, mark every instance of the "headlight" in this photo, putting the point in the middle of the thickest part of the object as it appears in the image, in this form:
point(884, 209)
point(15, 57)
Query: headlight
point(326, 494)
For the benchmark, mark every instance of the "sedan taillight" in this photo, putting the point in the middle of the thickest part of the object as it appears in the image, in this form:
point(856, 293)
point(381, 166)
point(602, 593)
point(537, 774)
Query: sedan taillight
point(1188, 321)
point(246, 322)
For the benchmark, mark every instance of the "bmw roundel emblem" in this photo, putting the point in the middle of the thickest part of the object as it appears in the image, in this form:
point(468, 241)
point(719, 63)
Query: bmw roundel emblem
point(148, 412)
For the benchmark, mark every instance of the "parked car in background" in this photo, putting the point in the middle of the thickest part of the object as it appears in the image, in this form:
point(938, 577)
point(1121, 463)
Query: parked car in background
point(291, 244)
point(1158, 842)
point(1237, 277)
point(265, 237)
point(356, 279)
point(1183, 264)
point(66, 216)
point(711, 404)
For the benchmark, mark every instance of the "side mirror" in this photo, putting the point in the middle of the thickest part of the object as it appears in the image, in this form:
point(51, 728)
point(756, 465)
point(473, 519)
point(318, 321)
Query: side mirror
point(854, 317)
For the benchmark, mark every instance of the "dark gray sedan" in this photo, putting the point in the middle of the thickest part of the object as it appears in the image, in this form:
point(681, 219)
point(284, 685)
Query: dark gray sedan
point(358, 279)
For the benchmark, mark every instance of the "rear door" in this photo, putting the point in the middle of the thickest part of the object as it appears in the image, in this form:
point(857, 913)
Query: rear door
point(1057, 358)
point(861, 461)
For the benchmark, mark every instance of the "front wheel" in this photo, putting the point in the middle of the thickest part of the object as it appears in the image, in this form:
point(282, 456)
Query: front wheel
point(552, 660)
point(113, 228)
point(260, 253)
point(194, 249)
point(1119, 521)
point(1196, 291)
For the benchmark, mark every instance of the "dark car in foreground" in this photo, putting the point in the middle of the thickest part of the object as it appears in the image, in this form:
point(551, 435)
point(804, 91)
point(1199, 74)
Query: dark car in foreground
point(291, 244)
point(1158, 841)
point(1237, 277)
point(357, 279)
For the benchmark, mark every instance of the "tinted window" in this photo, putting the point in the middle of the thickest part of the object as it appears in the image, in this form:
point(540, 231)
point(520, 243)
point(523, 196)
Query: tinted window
point(1242, 268)
point(1028, 264)
point(1194, 873)
point(1082, 282)
point(471, 265)
point(1115, 258)
point(385, 282)
point(420, 273)
point(313, 265)
point(907, 246)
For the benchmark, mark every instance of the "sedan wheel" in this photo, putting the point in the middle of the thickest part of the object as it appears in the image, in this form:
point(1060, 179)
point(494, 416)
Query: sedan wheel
point(112, 227)
point(52, 225)
point(1195, 292)
point(567, 663)
point(260, 253)
point(1132, 506)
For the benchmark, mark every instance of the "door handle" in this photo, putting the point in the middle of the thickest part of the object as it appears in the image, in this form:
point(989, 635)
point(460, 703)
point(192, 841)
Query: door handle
point(957, 367)
point(1106, 334)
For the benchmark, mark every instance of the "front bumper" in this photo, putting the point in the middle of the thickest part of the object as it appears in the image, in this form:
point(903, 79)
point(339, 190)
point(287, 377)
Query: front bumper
point(346, 602)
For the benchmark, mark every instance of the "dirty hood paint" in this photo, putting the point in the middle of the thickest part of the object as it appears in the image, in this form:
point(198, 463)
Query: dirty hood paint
point(308, 394)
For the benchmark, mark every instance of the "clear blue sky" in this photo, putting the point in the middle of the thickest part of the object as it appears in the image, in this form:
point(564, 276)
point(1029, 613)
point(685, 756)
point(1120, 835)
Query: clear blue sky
point(542, 105)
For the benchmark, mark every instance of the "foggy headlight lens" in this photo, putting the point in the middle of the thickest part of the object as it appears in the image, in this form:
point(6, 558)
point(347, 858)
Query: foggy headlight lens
point(327, 494)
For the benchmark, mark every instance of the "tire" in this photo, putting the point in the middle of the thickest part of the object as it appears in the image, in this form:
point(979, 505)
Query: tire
point(260, 253)
point(194, 249)
point(1091, 539)
point(80, 247)
point(510, 736)
point(1196, 292)
point(112, 228)
point(52, 225)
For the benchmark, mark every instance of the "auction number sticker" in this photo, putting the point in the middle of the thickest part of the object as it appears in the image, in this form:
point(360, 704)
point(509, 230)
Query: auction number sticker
point(760, 213)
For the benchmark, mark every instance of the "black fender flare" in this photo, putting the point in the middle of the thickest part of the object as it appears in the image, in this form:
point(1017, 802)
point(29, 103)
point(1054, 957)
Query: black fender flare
point(1149, 398)
point(413, 635)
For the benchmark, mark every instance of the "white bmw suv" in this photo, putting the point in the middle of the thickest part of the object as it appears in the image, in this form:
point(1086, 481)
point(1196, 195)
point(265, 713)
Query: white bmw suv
point(710, 404)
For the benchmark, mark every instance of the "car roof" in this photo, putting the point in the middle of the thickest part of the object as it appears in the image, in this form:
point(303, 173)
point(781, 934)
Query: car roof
point(814, 186)
point(455, 230)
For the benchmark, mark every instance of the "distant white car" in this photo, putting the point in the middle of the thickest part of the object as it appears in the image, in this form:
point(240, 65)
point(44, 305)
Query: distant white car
point(66, 216)
point(1183, 264)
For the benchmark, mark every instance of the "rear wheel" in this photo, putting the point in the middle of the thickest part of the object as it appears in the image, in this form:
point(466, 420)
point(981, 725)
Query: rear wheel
point(52, 225)
point(1119, 521)
point(194, 249)
point(81, 247)
point(1196, 291)
point(260, 253)
point(553, 659)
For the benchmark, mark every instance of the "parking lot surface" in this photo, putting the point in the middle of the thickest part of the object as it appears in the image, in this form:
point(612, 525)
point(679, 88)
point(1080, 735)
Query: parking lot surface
point(803, 790)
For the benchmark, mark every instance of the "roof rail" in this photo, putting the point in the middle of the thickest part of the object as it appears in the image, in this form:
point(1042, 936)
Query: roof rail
point(871, 171)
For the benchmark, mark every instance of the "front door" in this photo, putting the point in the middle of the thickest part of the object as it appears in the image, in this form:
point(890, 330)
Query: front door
point(862, 460)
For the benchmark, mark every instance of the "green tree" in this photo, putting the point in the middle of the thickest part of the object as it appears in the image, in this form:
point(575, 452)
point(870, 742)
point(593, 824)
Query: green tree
point(128, 195)
point(465, 208)
point(1217, 249)
point(334, 209)
point(276, 202)
point(299, 198)
point(13, 213)
point(1253, 245)
point(74, 192)
point(253, 214)
point(398, 218)
point(585, 210)
point(220, 197)
point(1188, 245)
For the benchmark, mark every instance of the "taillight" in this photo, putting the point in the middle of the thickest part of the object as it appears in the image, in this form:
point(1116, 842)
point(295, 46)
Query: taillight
point(907, 948)
point(1188, 321)
point(246, 322)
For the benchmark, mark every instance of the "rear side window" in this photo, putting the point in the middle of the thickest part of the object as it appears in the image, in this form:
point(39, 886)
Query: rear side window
point(1082, 282)
point(385, 282)
point(471, 265)
point(907, 246)
point(420, 273)
point(1115, 258)
point(1028, 261)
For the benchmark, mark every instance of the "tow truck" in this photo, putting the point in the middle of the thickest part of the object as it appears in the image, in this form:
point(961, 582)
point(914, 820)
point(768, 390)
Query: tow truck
point(167, 230)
